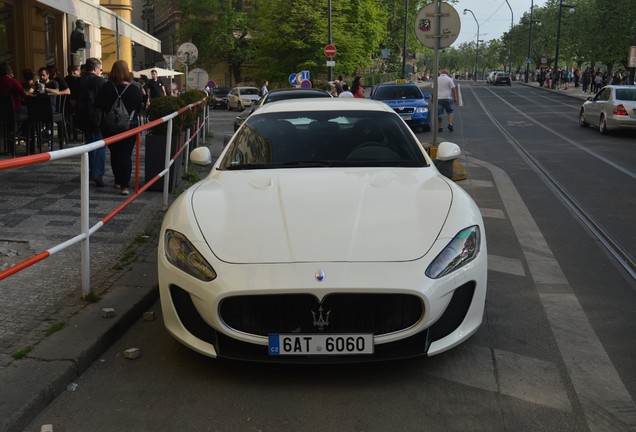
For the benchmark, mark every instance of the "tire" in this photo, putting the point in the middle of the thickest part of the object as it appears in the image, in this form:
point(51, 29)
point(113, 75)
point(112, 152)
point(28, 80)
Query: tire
point(602, 126)
point(240, 107)
point(582, 121)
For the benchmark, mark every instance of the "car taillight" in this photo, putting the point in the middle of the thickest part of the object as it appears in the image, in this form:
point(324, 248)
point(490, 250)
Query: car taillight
point(620, 110)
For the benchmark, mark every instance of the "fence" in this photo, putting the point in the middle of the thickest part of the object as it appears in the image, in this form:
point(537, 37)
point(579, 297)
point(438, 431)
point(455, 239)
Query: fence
point(198, 130)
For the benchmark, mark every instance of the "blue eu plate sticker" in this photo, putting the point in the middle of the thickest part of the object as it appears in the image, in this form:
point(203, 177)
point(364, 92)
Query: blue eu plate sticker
point(274, 345)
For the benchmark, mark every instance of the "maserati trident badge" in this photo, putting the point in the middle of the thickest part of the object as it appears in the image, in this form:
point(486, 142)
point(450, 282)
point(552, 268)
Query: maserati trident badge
point(320, 275)
point(321, 321)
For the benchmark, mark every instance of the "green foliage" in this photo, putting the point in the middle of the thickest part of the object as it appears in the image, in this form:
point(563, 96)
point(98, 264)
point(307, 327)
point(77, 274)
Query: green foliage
point(162, 106)
point(274, 38)
point(54, 328)
point(187, 98)
point(22, 353)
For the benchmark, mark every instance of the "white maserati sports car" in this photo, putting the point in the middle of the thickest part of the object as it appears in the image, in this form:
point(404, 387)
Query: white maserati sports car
point(323, 233)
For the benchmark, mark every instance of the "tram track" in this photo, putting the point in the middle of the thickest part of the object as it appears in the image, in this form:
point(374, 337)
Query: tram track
point(611, 245)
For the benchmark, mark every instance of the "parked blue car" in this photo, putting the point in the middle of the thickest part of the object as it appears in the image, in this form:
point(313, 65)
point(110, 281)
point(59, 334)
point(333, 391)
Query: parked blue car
point(407, 100)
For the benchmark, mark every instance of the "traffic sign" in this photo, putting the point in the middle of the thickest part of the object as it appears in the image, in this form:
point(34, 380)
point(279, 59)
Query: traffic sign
point(330, 51)
point(426, 29)
point(305, 84)
point(331, 63)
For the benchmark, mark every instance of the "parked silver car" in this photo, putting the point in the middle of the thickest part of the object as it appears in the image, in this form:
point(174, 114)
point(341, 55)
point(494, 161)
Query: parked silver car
point(612, 108)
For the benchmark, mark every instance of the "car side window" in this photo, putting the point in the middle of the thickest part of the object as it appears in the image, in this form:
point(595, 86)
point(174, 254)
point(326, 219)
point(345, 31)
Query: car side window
point(603, 95)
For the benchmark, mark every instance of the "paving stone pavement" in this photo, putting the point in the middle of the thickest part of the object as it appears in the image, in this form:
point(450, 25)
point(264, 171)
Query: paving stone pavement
point(40, 208)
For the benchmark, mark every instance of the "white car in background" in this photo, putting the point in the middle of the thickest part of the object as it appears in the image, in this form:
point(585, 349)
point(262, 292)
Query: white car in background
point(323, 233)
point(490, 78)
point(242, 97)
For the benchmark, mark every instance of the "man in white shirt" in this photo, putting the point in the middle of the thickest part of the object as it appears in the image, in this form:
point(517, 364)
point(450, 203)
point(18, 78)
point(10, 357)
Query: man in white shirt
point(345, 92)
point(446, 97)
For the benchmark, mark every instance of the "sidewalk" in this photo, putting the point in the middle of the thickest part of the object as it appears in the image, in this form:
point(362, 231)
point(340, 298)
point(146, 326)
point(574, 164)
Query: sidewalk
point(574, 92)
point(40, 207)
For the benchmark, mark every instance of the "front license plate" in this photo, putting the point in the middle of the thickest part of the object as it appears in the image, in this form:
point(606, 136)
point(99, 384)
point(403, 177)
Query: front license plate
point(320, 344)
point(406, 118)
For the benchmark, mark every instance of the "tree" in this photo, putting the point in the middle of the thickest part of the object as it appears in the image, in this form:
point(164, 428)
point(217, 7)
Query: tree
point(290, 38)
point(220, 30)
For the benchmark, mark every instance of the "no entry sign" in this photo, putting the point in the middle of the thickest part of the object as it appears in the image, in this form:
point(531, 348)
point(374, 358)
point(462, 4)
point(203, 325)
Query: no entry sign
point(330, 50)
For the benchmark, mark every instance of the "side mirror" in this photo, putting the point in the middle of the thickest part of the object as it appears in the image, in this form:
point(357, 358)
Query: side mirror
point(201, 156)
point(448, 151)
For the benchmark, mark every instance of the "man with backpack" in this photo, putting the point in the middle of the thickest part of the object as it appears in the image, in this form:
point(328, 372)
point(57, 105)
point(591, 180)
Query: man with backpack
point(88, 118)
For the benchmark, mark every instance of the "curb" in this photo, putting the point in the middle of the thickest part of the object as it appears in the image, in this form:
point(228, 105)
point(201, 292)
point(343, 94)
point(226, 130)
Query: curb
point(31, 384)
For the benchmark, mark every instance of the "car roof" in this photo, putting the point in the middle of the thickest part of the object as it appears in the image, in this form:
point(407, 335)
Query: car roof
point(324, 104)
point(298, 89)
point(397, 84)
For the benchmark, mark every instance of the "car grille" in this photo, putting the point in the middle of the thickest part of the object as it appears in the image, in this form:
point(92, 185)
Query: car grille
point(341, 313)
point(404, 110)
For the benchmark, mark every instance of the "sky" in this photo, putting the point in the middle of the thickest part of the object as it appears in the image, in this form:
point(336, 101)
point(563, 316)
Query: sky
point(493, 16)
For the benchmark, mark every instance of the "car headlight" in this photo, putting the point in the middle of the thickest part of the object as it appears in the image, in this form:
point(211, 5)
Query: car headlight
point(422, 110)
point(184, 256)
point(462, 249)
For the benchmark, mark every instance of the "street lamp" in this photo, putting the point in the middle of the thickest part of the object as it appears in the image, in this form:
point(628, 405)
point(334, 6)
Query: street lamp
point(558, 37)
point(477, 48)
point(406, 23)
point(512, 20)
point(532, 21)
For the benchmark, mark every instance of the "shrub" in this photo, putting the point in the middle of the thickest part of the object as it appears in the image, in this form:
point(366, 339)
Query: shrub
point(162, 106)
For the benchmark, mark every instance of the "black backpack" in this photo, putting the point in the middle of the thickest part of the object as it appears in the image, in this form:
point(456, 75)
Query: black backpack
point(117, 119)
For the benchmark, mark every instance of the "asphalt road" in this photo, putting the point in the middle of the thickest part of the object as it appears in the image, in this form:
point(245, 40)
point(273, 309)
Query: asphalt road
point(555, 352)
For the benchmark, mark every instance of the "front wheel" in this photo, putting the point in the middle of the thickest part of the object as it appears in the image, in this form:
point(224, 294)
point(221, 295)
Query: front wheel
point(582, 121)
point(602, 126)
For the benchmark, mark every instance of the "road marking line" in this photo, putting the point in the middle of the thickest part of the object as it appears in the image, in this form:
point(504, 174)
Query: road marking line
point(605, 400)
point(506, 265)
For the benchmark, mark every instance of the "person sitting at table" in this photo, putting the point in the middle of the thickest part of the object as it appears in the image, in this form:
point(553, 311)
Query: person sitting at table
point(63, 88)
point(9, 86)
point(28, 81)
point(51, 87)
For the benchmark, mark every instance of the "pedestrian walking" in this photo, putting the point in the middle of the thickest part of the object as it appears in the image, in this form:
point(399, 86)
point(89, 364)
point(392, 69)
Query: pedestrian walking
point(264, 89)
point(120, 85)
point(87, 118)
point(345, 92)
point(338, 83)
point(446, 98)
point(356, 88)
point(154, 87)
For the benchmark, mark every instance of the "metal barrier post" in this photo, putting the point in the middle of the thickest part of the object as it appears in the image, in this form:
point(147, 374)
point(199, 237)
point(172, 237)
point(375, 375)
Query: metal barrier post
point(187, 151)
point(205, 120)
point(84, 226)
point(166, 165)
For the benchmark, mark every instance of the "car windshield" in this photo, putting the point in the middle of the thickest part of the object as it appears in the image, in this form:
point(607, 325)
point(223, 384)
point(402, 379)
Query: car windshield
point(397, 92)
point(249, 91)
point(626, 94)
point(323, 139)
point(221, 92)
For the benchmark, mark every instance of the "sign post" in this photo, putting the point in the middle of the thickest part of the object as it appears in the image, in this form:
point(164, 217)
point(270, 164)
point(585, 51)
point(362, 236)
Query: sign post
point(330, 52)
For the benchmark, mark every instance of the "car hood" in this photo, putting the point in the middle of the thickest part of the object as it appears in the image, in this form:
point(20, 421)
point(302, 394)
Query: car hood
point(321, 215)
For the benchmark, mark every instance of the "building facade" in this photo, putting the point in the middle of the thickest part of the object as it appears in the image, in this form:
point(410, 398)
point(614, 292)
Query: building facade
point(37, 33)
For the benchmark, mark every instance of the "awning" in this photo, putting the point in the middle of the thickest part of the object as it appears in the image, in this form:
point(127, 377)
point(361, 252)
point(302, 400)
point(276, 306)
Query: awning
point(95, 14)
